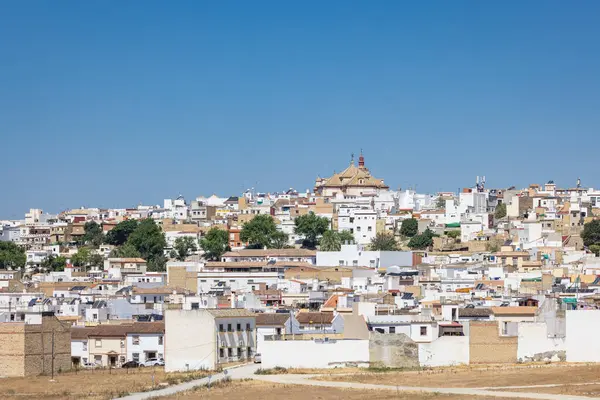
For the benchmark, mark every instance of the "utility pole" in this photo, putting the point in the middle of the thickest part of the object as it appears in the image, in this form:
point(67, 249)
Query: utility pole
point(52, 354)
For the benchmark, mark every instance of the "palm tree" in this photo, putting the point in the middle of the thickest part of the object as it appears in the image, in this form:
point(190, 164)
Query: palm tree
point(330, 241)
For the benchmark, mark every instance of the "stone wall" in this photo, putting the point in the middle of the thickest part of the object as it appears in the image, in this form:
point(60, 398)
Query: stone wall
point(26, 350)
point(486, 346)
point(38, 347)
point(393, 350)
point(12, 345)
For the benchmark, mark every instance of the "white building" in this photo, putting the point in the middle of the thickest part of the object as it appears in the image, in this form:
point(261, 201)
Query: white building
point(354, 255)
point(146, 342)
point(207, 338)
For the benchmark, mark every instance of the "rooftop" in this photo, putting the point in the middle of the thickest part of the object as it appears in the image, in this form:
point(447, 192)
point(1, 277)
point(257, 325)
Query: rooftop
point(271, 253)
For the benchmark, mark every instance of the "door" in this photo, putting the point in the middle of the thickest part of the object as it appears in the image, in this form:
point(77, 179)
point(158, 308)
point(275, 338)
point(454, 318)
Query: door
point(112, 360)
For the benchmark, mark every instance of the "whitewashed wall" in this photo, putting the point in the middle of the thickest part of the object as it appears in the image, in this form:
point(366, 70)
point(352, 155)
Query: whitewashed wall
point(583, 330)
point(311, 354)
point(533, 339)
point(446, 350)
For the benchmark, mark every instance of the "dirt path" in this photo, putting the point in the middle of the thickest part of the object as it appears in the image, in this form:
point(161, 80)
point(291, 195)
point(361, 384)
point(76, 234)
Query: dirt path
point(306, 380)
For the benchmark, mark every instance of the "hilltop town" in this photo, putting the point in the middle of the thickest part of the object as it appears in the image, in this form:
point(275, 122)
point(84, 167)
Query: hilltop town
point(351, 274)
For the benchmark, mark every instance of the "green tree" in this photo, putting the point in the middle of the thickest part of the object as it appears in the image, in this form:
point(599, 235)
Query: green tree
point(158, 263)
point(93, 234)
point(149, 240)
point(183, 247)
point(330, 241)
point(118, 235)
point(311, 227)
point(333, 241)
point(279, 240)
point(453, 234)
point(345, 236)
point(259, 232)
point(441, 202)
point(591, 233)
point(81, 258)
point(422, 241)
point(126, 251)
point(11, 256)
point(409, 228)
point(595, 248)
point(96, 260)
point(500, 211)
point(215, 243)
point(54, 263)
point(384, 242)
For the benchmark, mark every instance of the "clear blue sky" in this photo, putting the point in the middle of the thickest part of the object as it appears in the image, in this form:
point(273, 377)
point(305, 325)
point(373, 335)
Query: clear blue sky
point(115, 103)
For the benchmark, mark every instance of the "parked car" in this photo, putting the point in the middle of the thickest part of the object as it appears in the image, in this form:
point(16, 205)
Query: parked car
point(257, 358)
point(89, 365)
point(131, 364)
point(154, 362)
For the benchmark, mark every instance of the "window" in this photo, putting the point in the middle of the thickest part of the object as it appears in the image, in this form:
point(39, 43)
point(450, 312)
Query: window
point(355, 263)
point(160, 356)
point(341, 263)
point(248, 327)
point(229, 328)
point(369, 228)
point(221, 328)
point(122, 343)
point(230, 352)
point(144, 299)
point(392, 329)
point(221, 352)
point(160, 340)
point(84, 346)
point(238, 327)
point(135, 339)
point(98, 342)
point(358, 229)
point(195, 306)
point(240, 352)
point(423, 331)
point(136, 357)
point(122, 359)
point(249, 352)
point(94, 316)
point(505, 328)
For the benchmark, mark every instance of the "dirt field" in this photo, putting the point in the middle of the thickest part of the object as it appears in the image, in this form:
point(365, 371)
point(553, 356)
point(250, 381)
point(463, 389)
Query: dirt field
point(578, 390)
point(253, 390)
point(92, 385)
point(480, 376)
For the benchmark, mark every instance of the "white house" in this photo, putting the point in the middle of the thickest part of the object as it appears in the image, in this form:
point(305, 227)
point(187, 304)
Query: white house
point(146, 341)
point(207, 338)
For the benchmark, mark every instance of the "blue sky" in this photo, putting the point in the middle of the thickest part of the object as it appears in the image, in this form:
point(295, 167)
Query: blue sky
point(115, 103)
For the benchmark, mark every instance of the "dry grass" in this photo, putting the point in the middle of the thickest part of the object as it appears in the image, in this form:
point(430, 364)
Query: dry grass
point(516, 375)
point(92, 385)
point(270, 391)
point(592, 390)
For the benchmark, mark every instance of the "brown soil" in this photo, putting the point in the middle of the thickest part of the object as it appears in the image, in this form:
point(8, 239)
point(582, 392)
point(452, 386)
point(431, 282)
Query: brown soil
point(490, 376)
point(577, 390)
point(253, 390)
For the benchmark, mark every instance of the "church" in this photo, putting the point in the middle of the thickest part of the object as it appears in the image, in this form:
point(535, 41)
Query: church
point(353, 181)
